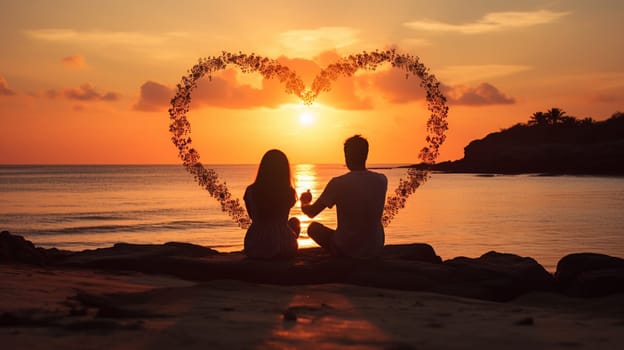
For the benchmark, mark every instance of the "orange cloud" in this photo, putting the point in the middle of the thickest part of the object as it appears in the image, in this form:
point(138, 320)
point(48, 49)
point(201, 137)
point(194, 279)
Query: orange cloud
point(74, 61)
point(51, 93)
point(482, 94)
point(153, 97)
point(222, 90)
point(344, 95)
point(604, 98)
point(345, 91)
point(394, 86)
point(86, 92)
point(4, 88)
point(226, 90)
point(490, 22)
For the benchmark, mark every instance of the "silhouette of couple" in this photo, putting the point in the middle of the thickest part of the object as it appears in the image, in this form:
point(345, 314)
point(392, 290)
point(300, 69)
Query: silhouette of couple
point(358, 195)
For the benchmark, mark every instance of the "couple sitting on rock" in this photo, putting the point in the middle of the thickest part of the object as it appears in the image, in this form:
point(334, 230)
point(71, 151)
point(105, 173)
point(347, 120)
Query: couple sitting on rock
point(358, 195)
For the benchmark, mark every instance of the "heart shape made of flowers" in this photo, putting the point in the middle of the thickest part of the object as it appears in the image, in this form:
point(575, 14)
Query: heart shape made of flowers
point(207, 178)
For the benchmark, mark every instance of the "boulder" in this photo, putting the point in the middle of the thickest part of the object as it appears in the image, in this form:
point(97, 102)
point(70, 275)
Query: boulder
point(151, 258)
point(497, 276)
point(590, 275)
point(16, 249)
point(413, 252)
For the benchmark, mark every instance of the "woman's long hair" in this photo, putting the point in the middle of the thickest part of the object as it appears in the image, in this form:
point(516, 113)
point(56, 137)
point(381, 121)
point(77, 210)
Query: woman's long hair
point(273, 184)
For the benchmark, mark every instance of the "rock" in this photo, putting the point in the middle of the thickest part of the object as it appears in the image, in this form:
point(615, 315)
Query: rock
point(412, 252)
point(400, 274)
point(16, 249)
point(492, 276)
point(53, 255)
point(142, 257)
point(497, 276)
point(590, 275)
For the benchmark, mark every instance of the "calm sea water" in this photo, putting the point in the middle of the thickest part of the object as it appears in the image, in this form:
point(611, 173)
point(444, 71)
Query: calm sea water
point(86, 207)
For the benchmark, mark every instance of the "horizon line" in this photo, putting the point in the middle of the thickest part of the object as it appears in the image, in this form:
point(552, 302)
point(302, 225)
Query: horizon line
point(174, 164)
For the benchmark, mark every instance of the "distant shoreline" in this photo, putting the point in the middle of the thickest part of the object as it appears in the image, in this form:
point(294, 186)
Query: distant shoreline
point(444, 169)
point(550, 143)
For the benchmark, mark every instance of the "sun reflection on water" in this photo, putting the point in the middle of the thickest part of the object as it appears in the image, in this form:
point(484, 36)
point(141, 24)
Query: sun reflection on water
point(305, 178)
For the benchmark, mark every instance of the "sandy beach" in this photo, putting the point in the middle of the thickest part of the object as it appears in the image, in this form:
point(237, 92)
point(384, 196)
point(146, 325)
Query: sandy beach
point(44, 308)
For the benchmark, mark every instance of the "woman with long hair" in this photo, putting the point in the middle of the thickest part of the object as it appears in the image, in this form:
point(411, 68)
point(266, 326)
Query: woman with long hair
point(268, 201)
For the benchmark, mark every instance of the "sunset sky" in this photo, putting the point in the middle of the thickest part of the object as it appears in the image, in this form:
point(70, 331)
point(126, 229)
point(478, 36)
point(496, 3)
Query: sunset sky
point(89, 82)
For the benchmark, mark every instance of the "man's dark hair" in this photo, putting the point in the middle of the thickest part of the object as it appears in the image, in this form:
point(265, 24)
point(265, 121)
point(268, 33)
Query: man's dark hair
point(356, 152)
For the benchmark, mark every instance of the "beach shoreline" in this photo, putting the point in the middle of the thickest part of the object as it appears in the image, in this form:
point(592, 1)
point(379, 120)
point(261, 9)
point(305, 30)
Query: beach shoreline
point(182, 295)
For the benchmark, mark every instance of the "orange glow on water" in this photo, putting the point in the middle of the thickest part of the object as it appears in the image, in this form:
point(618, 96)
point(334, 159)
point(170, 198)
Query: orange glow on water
point(305, 178)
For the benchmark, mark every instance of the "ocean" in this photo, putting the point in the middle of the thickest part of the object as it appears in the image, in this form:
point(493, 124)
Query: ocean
point(78, 207)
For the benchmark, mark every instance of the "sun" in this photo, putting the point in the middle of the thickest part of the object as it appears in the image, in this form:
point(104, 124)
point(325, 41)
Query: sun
point(306, 118)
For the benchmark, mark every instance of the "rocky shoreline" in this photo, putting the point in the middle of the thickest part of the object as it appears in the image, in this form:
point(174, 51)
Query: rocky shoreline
point(493, 276)
point(549, 144)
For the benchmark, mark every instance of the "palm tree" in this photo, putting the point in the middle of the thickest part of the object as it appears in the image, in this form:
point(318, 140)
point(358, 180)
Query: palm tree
point(538, 118)
point(554, 116)
point(568, 121)
point(587, 121)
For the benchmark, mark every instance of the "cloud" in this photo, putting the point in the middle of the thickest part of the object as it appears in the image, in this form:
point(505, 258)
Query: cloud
point(74, 61)
point(310, 42)
point(228, 90)
point(153, 97)
point(51, 93)
point(605, 98)
point(4, 88)
point(471, 73)
point(86, 92)
point(482, 94)
point(344, 91)
point(155, 45)
point(490, 22)
point(394, 86)
point(345, 94)
point(103, 37)
point(222, 90)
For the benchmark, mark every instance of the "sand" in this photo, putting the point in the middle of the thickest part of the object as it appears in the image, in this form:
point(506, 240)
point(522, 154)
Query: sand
point(50, 308)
